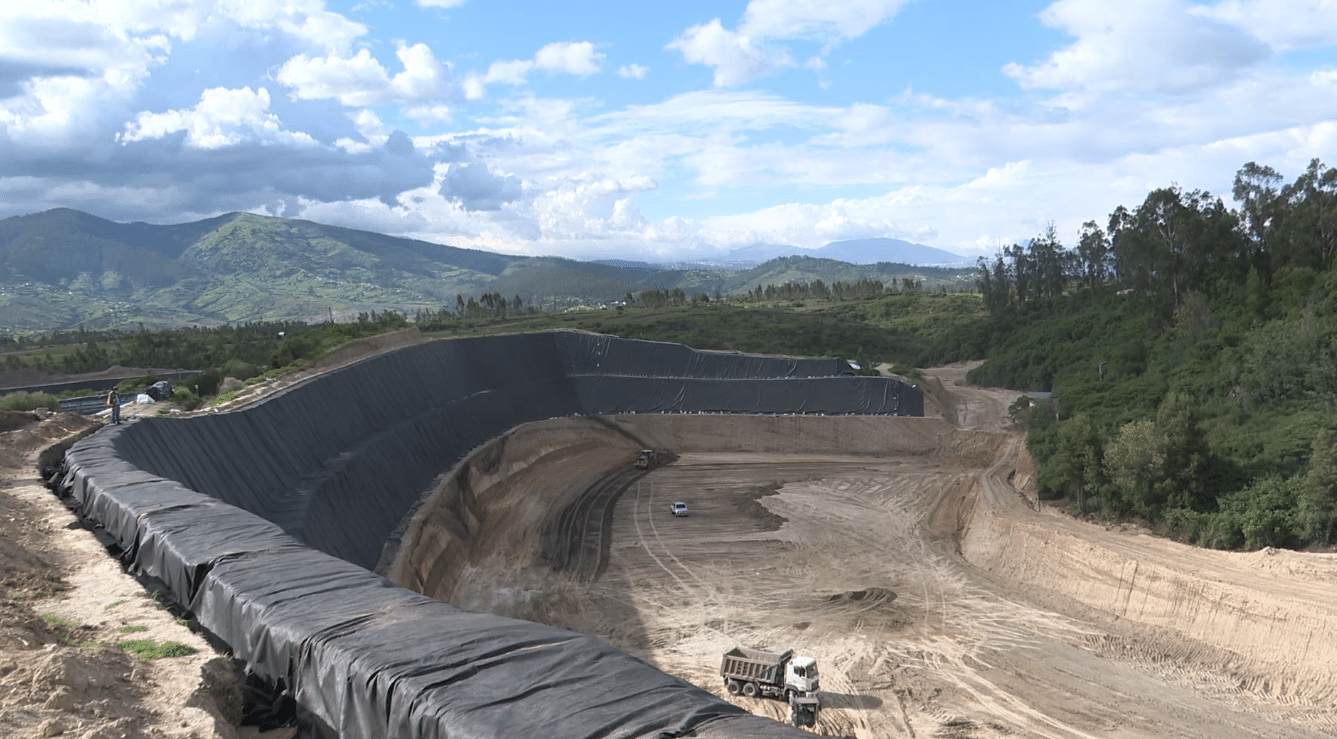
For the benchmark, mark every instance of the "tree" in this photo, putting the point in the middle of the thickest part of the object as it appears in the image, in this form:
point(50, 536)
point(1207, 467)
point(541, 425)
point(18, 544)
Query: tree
point(1074, 469)
point(1175, 242)
point(1049, 262)
point(1093, 255)
point(1134, 462)
point(1260, 203)
point(1309, 235)
point(1187, 458)
point(993, 284)
point(1318, 504)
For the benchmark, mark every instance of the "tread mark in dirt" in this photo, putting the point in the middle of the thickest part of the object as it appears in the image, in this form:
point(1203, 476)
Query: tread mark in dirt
point(640, 535)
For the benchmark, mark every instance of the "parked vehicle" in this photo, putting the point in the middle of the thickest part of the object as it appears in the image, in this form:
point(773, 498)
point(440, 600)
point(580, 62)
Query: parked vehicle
point(679, 508)
point(752, 672)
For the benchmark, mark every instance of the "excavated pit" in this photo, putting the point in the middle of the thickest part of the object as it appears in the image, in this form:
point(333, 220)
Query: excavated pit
point(982, 613)
point(911, 558)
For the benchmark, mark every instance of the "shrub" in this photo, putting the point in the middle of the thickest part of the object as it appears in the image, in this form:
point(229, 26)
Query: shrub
point(26, 401)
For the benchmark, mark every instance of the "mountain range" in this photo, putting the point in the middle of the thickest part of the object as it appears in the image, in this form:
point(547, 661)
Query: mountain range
point(63, 268)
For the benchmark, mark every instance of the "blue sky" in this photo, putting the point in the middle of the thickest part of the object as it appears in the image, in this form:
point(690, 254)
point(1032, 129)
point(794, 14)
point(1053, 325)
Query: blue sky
point(662, 131)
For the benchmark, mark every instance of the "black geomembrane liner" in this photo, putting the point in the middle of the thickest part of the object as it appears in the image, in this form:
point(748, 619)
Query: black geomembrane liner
point(266, 521)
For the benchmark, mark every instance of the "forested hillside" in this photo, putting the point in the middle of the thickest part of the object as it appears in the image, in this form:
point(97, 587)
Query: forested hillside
point(1192, 353)
point(63, 269)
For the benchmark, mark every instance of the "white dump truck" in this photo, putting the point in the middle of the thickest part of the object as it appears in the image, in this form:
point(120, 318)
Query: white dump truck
point(752, 672)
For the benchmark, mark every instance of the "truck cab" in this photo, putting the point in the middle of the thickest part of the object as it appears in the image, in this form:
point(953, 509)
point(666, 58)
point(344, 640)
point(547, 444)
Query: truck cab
point(801, 675)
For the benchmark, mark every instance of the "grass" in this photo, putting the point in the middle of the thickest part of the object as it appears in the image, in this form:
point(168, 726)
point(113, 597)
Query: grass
point(147, 649)
point(55, 620)
point(132, 629)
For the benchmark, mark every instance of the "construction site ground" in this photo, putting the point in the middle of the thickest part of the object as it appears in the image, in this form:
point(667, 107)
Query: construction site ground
point(938, 597)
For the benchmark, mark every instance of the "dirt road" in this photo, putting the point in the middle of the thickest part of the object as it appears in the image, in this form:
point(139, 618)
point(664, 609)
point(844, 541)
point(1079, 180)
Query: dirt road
point(937, 600)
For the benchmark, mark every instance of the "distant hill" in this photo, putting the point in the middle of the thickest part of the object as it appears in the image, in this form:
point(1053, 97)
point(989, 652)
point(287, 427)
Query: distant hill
point(859, 251)
point(62, 268)
point(872, 251)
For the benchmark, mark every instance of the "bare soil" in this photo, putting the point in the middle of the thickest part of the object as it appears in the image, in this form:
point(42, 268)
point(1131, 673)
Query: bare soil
point(938, 596)
point(66, 610)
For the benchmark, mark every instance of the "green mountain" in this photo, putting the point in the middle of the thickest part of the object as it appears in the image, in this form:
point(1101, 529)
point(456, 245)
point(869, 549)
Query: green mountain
point(63, 268)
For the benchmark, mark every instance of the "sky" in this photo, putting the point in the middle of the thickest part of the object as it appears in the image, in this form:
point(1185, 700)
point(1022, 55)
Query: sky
point(656, 131)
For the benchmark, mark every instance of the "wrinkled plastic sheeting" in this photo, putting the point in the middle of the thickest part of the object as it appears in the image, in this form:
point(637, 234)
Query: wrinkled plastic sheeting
point(265, 522)
point(337, 463)
point(598, 354)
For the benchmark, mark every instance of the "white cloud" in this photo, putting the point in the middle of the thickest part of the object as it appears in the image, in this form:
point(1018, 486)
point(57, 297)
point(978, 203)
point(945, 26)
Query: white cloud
point(361, 80)
point(735, 57)
point(827, 22)
point(222, 118)
point(429, 113)
point(1156, 45)
point(579, 59)
point(303, 19)
point(742, 55)
point(439, 3)
point(1284, 24)
point(512, 72)
point(574, 58)
point(632, 71)
point(370, 128)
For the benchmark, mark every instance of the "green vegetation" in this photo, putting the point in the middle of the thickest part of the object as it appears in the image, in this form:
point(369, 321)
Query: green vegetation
point(55, 620)
point(132, 629)
point(1193, 355)
point(25, 401)
point(246, 268)
point(147, 649)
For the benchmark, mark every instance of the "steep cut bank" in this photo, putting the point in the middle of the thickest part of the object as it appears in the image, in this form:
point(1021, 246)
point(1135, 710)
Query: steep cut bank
point(1265, 621)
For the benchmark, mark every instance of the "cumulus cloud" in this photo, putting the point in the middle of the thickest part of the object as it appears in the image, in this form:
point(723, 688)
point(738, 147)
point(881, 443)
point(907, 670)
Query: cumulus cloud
point(1156, 45)
point(439, 3)
point(475, 187)
point(735, 57)
point(752, 50)
point(222, 118)
point(361, 80)
point(632, 71)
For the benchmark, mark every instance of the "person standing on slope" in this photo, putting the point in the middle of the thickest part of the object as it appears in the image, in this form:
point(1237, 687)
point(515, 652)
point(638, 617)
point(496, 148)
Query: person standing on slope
point(114, 400)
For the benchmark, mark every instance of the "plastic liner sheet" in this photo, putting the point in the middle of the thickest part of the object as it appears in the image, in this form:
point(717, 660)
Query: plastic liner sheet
point(585, 353)
point(823, 396)
point(265, 522)
point(370, 659)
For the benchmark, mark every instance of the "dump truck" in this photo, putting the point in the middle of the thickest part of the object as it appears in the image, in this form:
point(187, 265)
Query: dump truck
point(752, 673)
point(648, 460)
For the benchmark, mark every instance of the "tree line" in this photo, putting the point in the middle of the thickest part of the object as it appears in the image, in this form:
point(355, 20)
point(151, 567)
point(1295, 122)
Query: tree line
point(1178, 243)
point(1192, 349)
